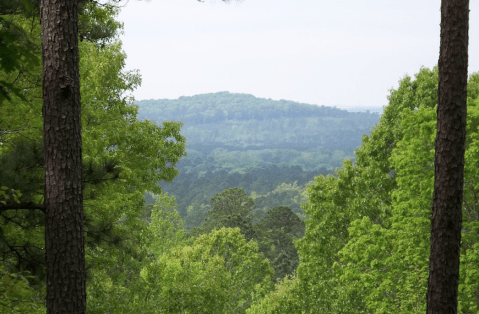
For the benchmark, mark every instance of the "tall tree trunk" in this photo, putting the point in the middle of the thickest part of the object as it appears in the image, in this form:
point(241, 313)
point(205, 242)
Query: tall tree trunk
point(64, 242)
point(446, 218)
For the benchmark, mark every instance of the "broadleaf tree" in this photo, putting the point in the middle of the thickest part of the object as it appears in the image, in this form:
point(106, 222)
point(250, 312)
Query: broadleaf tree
point(123, 158)
point(367, 240)
point(62, 189)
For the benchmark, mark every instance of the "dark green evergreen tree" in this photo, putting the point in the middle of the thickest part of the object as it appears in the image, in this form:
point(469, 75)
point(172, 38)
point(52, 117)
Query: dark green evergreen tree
point(231, 208)
point(276, 233)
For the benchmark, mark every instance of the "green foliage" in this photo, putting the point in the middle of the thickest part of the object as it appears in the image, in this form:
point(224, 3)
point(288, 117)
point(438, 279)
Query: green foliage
point(366, 245)
point(366, 230)
point(269, 186)
point(392, 260)
point(20, 68)
point(216, 274)
point(196, 215)
point(20, 43)
point(21, 168)
point(166, 226)
point(224, 106)
point(290, 195)
point(231, 208)
point(16, 52)
point(123, 158)
point(238, 140)
point(96, 22)
point(121, 289)
point(239, 133)
point(360, 190)
point(285, 298)
point(17, 296)
point(311, 159)
point(469, 267)
point(9, 195)
point(276, 233)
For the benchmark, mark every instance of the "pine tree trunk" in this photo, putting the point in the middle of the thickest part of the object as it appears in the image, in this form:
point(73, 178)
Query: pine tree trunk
point(446, 218)
point(64, 242)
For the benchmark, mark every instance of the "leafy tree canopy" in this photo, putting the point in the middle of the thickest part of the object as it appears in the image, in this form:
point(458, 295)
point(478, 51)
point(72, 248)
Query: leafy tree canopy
point(123, 158)
point(244, 122)
point(366, 244)
point(216, 274)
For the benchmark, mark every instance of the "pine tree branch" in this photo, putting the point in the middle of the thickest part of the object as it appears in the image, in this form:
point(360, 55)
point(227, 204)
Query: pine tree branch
point(23, 205)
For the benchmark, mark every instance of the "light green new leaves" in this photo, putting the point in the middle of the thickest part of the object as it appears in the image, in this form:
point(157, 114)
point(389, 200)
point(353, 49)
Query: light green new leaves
point(390, 262)
point(8, 195)
point(469, 267)
point(343, 254)
point(110, 292)
point(333, 204)
point(16, 295)
point(166, 226)
point(216, 274)
point(123, 157)
point(145, 153)
point(285, 298)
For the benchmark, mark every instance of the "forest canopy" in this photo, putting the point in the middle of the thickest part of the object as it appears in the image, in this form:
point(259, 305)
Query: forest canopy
point(244, 122)
point(279, 208)
point(238, 140)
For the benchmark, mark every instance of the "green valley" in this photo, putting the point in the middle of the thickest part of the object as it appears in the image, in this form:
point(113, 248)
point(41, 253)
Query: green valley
point(260, 145)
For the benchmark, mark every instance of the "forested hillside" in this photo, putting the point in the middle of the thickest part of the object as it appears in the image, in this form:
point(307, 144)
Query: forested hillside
point(244, 122)
point(238, 140)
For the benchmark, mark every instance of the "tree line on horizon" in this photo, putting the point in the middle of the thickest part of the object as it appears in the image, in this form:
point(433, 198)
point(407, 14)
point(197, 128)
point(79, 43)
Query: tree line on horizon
point(244, 122)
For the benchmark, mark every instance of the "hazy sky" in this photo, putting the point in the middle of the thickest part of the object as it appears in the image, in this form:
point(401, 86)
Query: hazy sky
point(344, 53)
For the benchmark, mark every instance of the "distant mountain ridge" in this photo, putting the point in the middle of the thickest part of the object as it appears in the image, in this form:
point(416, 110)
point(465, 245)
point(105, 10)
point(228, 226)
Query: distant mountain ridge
point(261, 145)
point(222, 106)
point(243, 121)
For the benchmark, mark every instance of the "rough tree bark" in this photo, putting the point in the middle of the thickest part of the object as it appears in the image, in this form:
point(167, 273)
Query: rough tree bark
point(446, 218)
point(64, 242)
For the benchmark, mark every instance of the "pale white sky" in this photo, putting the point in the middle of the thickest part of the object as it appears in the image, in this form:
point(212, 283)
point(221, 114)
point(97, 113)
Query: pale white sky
point(344, 53)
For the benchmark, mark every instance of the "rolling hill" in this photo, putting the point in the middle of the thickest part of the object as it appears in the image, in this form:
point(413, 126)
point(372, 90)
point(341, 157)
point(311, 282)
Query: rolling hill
point(238, 140)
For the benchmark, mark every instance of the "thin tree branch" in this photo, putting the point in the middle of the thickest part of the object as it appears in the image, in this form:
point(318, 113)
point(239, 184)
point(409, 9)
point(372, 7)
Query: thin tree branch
point(23, 205)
